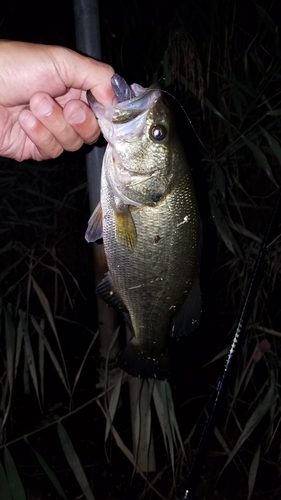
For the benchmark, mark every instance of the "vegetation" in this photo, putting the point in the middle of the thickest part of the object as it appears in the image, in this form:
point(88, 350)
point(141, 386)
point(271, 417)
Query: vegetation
point(222, 61)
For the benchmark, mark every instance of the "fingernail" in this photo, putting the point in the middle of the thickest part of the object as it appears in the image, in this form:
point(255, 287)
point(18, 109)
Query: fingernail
point(30, 120)
point(45, 107)
point(78, 116)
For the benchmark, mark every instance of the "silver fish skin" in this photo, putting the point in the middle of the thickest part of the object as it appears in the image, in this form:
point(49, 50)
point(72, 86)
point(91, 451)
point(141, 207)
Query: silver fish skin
point(149, 221)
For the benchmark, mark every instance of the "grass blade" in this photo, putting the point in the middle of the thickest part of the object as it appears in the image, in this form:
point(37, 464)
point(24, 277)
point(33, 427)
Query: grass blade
point(29, 353)
point(10, 354)
point(15, 484)
point(253, 472)
point(74, 462)
point(254, 420)
point(273, 144)
point(46, 306)
point(261, 158)
point(55, 362)
point(5, 492)
point(49, 472)
point(114, 398)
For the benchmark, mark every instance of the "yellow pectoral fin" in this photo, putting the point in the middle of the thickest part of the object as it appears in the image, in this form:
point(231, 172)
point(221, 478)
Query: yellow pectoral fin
point(125, 228)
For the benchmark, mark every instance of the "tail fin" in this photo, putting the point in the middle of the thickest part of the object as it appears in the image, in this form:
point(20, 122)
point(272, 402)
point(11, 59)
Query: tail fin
point(141, 363)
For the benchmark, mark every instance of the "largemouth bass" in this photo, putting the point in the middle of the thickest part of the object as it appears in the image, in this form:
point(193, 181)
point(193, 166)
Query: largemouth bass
point(149, 221)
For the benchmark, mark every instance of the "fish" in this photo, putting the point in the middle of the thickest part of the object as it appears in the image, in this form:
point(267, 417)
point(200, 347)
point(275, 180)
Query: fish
point(149, 220)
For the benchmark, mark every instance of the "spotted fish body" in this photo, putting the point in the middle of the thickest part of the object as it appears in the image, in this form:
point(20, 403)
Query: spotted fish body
point(149, 222)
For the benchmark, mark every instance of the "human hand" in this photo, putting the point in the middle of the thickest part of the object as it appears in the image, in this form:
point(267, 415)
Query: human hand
point(43, 105)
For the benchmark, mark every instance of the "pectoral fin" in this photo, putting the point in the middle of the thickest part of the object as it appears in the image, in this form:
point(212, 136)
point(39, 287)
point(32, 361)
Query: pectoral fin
point(94, 231)
point(125, 227)
point(187, 319)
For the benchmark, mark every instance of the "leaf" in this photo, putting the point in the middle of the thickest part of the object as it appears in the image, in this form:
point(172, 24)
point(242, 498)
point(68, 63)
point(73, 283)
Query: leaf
point(221, 441)
point(260, 157)
point(140, 403)
point(224, 229)
point(77, 376)
point(219, 178)
point(74, 462)
point(15, 484)
point(160, 413)
point(114, 398)
point(7, 247)
point(5, 492)
point(173, 419)
point(29, 352)
point(274, 112)
point(243, 230)
point(221, 354)
point(160, 386)
point(41, 360)
point(128, 453)
point(265, 18)
point(253, 472)
point(46, 306)
point(50, 351)
point(254, 420)
point(18, 347)
point(10, 334)
point(215, 110)
point(273, 144)
point(49, 472)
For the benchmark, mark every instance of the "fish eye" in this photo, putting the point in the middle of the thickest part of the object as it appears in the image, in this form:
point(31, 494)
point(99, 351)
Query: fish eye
point(157, 132)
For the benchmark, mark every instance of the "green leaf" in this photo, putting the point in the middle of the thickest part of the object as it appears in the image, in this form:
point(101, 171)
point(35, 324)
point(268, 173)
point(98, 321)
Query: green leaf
point(10, 345)
point(215, 110)
point(273, 144)
point(74, 462)
point(47, 344)
point(10, 334)
point(224, 229)
point(274, 112)
point(221, 441)
point(114, 398)
point(15, 484)
point(49, 472)
point(219, 178)
point(253, 472)
point(243, 230)
point(163, 412)
point(5, 492)
point(140, 402)
point(254, 419)
point(29, 352)
point(265, 18)
point(260, 157)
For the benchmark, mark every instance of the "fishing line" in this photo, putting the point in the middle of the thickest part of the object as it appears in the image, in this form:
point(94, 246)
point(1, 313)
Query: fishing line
point(187, 117)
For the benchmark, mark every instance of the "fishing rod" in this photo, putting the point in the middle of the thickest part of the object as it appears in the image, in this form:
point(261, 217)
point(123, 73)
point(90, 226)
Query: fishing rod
point(187, 490)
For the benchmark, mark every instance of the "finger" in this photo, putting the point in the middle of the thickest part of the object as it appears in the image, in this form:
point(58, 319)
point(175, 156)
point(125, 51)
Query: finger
point(46, 144)
point(50, 114)
point(82, 119)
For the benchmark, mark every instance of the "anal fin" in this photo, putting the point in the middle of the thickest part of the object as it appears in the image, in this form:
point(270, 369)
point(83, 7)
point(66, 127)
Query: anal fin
point(187, 319)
